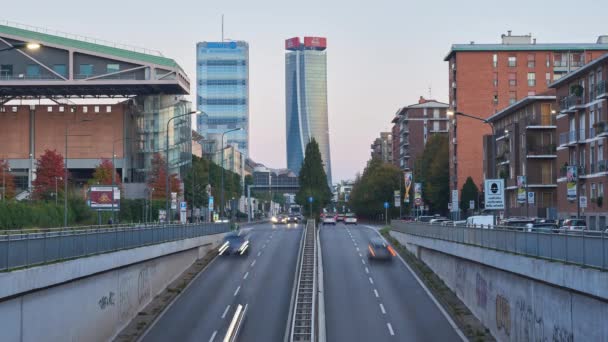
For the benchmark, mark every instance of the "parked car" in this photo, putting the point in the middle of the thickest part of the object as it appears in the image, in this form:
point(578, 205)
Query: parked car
point(484, 221)
point(570, 224)
point(426, 218)
point(543, 227)
point(517, 222)
point(408, 218)
point(438, 220)
point(447, 223)
point(340, 217)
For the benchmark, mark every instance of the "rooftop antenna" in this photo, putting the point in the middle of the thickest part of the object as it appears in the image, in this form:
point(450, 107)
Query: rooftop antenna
point(222, 27)
point(430, 92)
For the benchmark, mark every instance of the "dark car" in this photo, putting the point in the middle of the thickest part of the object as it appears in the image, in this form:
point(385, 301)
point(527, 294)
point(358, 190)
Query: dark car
point(234, 244)
point(379, 249)
point(543, 227)
point(293, 218)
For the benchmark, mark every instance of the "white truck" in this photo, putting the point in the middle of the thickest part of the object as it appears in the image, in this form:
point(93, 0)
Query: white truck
point(481, 221)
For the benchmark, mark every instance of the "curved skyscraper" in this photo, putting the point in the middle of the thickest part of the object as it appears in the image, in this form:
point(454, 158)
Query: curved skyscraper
point(306, 100)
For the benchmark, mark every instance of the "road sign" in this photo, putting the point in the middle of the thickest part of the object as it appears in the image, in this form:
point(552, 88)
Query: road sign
point(583, 201)
point(494, 193)
point(310, 199)
point(397, 196)
point(174, 200)
point(386, 205)
point(471, 204)
point(455, 206)
point(530, 197)
point(182, 206)
point(210, 205)
point(162, 215)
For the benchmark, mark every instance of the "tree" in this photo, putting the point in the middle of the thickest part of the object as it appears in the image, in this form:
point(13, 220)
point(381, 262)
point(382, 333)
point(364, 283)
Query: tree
point(313, 181)
point(8, 181)
point(103, 174)
point(469, 192)
point(432, 170)
point(374, 187)
point(49, 169)
point(158, 178)
point(195, 182)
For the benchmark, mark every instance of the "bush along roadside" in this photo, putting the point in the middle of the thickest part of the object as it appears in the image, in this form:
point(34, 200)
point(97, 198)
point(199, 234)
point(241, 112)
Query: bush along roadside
point(470, 326)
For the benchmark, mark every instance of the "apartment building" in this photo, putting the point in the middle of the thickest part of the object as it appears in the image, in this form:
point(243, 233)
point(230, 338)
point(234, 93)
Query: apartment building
point(523, 153)
point(382, 147)
point(416, 123)
point(582, 125)
point(486, 78)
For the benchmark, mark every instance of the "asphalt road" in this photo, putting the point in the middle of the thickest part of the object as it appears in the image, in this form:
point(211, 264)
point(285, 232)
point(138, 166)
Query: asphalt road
point(263, 280)
point(374, 300)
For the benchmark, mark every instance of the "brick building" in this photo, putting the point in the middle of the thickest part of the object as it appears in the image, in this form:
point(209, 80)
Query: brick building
point(382, 147)
point(486, 78)
point(525, 142)
point(415, 123)
point(582, 125)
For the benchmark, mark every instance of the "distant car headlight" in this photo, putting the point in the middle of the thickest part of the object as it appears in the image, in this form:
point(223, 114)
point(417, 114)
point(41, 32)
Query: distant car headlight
point(273, 219)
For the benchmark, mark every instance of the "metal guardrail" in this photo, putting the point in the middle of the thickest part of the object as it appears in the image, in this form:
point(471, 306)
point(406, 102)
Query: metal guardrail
point(579, 247)
point(303, 320)
point(31, 247)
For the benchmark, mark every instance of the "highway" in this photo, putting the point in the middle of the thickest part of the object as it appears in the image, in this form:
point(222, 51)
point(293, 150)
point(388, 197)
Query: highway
point(377, 300)
point(263, 280)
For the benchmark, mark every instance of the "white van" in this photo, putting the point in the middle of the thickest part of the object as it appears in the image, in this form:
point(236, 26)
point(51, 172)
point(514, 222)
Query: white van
point(483, 221)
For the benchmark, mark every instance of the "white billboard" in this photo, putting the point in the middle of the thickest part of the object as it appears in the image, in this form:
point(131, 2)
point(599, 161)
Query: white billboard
point(494, 194)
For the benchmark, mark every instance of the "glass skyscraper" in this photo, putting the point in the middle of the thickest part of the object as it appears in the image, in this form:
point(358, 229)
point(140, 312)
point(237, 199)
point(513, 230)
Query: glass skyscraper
point(306, 100)
point(222, 90)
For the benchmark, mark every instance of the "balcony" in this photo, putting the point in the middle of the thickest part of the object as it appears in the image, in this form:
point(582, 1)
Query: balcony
point(541, 122)
point(582, 135)
point(567, 138)
point(600, 166)
point(563, 171)
point(570, 103)
point(600, 129)
point(541, 151)
point(602, 89)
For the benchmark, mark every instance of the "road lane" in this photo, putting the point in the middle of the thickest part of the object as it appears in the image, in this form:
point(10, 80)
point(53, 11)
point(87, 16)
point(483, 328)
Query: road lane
point(204, 310)
point(402, 306)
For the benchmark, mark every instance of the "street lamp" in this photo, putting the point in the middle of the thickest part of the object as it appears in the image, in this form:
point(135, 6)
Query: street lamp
point(65, 176)
point(228, 131)
point(56, 189)
point(167, 190)
point(32, 46)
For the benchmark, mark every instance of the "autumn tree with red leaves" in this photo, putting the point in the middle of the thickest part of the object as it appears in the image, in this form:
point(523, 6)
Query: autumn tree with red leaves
point(8, 181)
point(49, 168)
point(103, 174)
point(158, 178)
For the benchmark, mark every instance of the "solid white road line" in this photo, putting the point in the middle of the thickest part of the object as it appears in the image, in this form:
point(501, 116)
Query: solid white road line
point(213, 336)
point(390, 329)
point(371, 281)
point(225, 312)
point(376, 293)
point(246, 275)
point(253, 263)
point(367, 270)
point(237, 290)
point(382, 309)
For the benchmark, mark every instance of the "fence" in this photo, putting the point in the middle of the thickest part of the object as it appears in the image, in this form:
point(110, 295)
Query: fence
point(585, 248)
point(25, 248)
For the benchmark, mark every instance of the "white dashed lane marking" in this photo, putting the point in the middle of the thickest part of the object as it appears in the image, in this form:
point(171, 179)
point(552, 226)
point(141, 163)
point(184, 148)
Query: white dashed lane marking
point(213, 336)
point(253, 263)
point(376, 293)
point(382, 309)
point(225, 312)
point(237, 291)
point(371, 281)
point(390, 329)
point(246, 275)
point(367, 270)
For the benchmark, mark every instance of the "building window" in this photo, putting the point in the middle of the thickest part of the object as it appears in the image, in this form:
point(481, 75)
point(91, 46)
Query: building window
point(14, 108)
point(96, 109)
point(108, 109)
point(531, 93)
point(531, 79)
point(512, 97)
point(512, 79)
point(600, 190)
point(60, 69)
point(548, 77)
point(49, 109)
point(6, 70)
point(86, 70)
point(593, 189)
point(495, 79)
point(112, 68)
point(495, 99)
point(512, 61)
point(495, 60)
point(85, 109)
point(61, 109)
point(531, 60)
point(32, 70)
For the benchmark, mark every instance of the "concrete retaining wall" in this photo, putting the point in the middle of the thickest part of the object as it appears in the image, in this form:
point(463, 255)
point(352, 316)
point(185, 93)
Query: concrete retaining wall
point(514, 307)
point(92, 299)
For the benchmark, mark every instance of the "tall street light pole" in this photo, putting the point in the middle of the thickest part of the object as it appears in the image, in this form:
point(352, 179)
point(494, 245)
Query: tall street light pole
point(452, 113)
point(222, 198)
point(65, 176)
point(167, 189)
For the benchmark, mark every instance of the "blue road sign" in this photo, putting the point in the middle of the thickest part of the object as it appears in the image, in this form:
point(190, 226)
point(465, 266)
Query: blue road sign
point(385, 205)
point(310, 199)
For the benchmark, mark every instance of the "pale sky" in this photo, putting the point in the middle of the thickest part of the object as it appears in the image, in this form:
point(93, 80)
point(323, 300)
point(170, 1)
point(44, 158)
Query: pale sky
point(382, 55)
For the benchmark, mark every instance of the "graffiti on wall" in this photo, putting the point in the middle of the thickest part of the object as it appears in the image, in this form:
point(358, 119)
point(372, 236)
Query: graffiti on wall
point(106, 301)
point(481, 290)
point(529, 325)
point(503, 314)
point(461, 276)
point(143, 286)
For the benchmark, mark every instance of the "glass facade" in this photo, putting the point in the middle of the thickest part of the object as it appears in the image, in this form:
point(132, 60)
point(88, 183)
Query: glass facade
point(223, 92)
point(306, 105)
point(149, 131)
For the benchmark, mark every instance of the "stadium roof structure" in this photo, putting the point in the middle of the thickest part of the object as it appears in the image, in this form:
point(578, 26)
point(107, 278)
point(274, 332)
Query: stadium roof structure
point(71, 66)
